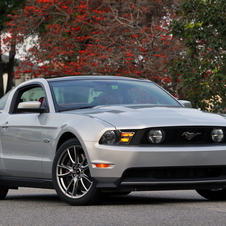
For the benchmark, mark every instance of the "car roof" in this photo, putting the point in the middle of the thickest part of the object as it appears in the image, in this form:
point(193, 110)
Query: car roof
point(91, 77)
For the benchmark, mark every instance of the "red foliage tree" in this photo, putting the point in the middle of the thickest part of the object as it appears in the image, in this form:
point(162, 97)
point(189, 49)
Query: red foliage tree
point(111, 37)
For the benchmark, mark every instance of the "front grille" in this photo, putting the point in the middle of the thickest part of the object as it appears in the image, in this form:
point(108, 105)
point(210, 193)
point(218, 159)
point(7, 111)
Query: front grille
point(174, 173)
point(176, 135)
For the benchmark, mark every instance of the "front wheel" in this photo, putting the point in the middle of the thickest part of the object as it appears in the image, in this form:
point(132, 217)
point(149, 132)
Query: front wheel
point(213, 194)
point(71, 175)
point(3, 191)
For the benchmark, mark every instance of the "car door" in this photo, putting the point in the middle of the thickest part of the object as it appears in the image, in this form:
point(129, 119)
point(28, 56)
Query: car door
point(3, 101)
point(21, 136)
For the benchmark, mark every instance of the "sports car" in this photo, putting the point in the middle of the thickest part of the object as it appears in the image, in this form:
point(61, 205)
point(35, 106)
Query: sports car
point(89, 137)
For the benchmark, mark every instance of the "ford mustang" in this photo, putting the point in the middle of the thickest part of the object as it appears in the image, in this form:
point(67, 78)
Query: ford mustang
point(88, 137)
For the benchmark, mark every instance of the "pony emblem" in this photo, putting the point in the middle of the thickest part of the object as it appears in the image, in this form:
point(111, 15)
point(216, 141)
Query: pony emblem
point(189, 135)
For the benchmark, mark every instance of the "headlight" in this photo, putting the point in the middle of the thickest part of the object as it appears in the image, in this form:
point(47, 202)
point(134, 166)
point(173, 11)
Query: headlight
point(109, 137)
point(116, 137)
point(156, 136)
point(217, 135)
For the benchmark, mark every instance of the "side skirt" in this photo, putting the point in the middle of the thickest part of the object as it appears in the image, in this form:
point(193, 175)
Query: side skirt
point(15, 182)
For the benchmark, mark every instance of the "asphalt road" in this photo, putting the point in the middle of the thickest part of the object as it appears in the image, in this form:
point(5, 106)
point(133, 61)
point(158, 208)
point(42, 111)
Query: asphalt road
point(28, 206)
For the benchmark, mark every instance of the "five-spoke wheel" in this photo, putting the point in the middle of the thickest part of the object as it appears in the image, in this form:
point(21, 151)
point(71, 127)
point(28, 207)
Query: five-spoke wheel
point(71, 175)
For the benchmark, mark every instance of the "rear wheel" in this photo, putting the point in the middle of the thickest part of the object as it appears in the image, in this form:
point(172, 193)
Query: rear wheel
point(71, 175)
point(213, 194)
point(3, 191)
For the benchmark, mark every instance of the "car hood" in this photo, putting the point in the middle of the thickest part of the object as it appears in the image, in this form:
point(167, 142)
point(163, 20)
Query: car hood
point(152, 116)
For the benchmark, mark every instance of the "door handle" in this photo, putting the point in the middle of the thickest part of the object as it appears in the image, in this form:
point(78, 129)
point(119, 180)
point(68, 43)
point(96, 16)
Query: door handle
point(5, 126)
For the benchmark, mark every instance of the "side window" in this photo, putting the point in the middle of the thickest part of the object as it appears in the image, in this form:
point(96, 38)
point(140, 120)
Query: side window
point(33, 94)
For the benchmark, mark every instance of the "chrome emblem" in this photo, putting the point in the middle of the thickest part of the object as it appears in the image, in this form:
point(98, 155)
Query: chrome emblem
point(189, 135)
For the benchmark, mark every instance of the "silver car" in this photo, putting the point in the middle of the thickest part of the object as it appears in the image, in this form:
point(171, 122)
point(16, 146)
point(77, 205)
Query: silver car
point(88, 137)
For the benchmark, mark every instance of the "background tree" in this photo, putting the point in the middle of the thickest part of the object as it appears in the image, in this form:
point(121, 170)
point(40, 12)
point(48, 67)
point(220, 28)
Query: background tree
point(7, 7)
point(202, 66)
point(111, 37)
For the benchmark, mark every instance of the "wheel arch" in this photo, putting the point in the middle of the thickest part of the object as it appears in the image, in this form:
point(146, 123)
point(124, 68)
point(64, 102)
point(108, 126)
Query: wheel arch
point(67, 135)
point(64, 137)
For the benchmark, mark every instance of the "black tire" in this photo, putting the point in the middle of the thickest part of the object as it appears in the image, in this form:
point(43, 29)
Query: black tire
point(71, 175)
point(3, 191)
point(213, 194)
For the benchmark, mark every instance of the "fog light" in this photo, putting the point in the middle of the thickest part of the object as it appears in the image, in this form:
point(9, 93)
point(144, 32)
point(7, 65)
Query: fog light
point(156, 136)
point(217, 135)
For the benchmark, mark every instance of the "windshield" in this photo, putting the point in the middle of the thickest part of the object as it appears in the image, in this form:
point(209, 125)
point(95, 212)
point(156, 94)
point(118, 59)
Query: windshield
point(77, 94)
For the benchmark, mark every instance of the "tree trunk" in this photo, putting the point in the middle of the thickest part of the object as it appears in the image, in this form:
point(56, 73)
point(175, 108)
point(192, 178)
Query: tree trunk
point(1, 78)
point(1, 71)
point(11, 65)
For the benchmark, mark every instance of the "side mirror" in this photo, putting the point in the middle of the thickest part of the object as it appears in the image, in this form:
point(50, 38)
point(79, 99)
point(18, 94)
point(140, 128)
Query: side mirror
point(31, 106)
point(186, 103)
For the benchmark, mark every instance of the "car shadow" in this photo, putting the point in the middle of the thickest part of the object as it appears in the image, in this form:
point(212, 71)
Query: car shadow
point(135, 198)
point(141, 200)
point(34, 197)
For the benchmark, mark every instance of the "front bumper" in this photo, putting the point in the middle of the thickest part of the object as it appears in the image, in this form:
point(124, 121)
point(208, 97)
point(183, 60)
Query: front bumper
point(155, 168)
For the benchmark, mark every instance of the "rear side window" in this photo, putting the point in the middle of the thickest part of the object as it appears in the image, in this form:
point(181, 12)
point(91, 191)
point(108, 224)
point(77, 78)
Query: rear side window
point(3, 100)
